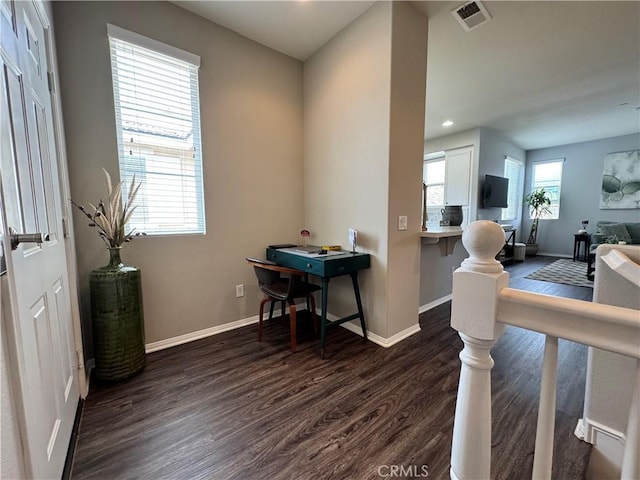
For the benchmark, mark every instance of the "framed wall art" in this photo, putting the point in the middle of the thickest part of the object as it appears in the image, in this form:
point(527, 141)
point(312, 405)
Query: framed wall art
point(621, 181)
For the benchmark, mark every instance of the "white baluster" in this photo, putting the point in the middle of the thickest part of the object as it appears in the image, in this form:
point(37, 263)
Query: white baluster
point(473, 314)
point(543, 457)
point(631, 458)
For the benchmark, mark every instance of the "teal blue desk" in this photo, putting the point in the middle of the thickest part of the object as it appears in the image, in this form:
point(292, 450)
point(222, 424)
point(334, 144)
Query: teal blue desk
point(326, 268)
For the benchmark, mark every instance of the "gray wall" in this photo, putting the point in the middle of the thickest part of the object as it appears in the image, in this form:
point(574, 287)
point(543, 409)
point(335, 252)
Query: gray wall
point(251, 114)
point(580, 193)
point(436, 271)
point(493, 149)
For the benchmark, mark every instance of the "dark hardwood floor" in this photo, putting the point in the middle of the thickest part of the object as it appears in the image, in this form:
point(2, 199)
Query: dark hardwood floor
point(228, 407)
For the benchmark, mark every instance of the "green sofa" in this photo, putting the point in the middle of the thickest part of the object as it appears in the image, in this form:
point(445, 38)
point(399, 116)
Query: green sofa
point(614, 232)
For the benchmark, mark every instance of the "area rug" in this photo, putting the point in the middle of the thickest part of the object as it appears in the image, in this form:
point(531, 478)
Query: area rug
point(563, 271)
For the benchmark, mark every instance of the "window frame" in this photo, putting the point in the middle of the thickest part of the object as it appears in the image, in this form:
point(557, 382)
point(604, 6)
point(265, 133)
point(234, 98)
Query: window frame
point(515, 191)
point(433, 211)
point(555, 197)
point(178, 158)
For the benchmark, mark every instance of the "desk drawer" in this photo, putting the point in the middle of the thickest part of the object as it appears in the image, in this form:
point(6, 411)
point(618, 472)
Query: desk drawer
point(345, 264)
point(305, 264)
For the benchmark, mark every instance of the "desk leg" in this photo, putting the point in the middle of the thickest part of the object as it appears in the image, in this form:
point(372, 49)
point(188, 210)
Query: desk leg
point(323, 315)
point(575, 249)
point(356, 290)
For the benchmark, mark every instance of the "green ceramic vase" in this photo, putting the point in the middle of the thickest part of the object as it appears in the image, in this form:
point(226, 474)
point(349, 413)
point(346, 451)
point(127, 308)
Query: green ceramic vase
point(118, 321)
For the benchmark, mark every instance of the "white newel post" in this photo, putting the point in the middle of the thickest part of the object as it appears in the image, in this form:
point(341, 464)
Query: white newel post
point(473, 314)
point(631, 458)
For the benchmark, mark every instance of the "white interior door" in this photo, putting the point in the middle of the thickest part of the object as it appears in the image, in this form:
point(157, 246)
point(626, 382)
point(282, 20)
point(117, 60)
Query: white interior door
point(45, 365)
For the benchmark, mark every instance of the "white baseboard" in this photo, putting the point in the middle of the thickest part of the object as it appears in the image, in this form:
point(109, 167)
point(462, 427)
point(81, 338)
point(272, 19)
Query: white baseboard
point(207, 332)
point(588, 431)
point(559, 255)
point(437, 302)
point(352, 327)
point(377, 339)
point(607, 452)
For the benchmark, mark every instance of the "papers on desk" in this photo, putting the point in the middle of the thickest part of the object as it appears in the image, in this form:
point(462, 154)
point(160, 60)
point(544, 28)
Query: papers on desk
point(302, 253)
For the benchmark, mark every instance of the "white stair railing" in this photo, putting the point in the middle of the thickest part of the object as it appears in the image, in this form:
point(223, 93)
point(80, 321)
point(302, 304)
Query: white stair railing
point(482, 304)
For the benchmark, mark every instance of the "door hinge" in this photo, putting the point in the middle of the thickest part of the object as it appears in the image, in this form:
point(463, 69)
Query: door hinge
point(51, 82)
point(65, 229)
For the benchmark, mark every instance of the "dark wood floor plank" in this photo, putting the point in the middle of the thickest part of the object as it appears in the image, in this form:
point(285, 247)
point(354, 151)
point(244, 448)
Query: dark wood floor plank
point(228, 407)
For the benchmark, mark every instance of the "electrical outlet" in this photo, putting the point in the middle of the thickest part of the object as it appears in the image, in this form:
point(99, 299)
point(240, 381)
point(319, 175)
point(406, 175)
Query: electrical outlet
point(402, 222)
point(239, 291)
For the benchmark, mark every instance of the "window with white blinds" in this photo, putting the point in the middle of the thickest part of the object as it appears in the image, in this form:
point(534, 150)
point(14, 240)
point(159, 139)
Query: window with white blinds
point(548, 175)
point(157, 109)
point(433, 175)
point(513, 170)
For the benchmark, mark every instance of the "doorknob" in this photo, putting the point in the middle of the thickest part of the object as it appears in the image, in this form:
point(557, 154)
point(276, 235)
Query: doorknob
point(18, 238)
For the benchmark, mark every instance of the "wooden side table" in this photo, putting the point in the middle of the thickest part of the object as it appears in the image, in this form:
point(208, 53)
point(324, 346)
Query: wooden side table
point(578, 239)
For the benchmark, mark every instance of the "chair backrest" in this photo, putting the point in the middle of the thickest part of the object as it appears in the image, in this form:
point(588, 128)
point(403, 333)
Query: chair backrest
point(264, 274)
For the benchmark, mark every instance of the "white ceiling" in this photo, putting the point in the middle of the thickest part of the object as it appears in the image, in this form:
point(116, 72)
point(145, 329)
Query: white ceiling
point(296, 28)
point(540, 73)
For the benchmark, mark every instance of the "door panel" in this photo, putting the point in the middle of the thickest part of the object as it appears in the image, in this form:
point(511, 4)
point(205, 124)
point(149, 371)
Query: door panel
point(41, 327)
point(25, 203)
point(50, 214)
point(65, 338)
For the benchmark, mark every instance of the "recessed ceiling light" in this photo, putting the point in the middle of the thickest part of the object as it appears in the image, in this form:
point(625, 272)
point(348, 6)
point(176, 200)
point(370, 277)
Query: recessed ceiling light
point(447, 123)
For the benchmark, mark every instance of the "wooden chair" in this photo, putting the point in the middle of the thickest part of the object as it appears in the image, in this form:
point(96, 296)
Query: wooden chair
point(278, 288)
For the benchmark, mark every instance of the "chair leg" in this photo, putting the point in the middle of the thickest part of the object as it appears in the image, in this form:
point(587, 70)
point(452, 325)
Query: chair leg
point(292, 321)
point(282, 308)
point(273, 304)
point(265, 300)
point(312, 301)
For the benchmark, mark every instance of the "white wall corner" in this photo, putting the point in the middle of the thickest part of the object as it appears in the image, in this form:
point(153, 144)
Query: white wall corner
point(588, 431)
point(378, 340)
point(607, 452)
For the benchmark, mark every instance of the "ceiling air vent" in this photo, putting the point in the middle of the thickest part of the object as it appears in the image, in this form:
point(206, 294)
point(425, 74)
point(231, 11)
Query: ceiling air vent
point(471, 15)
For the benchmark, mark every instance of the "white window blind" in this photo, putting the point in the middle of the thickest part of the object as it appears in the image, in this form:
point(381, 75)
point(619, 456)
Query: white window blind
point(548, 175)
point(513, 170)
point(433, 175)
point(157, 109)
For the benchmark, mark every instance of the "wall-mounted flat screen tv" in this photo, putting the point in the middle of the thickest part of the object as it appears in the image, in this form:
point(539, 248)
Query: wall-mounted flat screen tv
point(495, 191)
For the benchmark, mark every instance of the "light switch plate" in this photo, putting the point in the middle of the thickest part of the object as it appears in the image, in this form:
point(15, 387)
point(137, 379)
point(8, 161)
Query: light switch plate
point(402, 222)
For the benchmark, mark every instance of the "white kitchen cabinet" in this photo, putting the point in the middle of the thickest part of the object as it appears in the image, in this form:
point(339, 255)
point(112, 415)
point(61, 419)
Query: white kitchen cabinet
point(458, 164)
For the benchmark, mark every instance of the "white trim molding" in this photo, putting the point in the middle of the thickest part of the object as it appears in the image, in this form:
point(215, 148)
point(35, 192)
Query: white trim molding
point(352, 327)
point(436, 303)
point(588, 430)
point(377, 339)
point(550, 254)
point(197, 335)
point(114, 31)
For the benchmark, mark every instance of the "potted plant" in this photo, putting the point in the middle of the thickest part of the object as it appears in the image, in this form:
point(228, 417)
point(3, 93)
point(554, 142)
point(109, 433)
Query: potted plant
point(115, 289)
point(539, 203)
